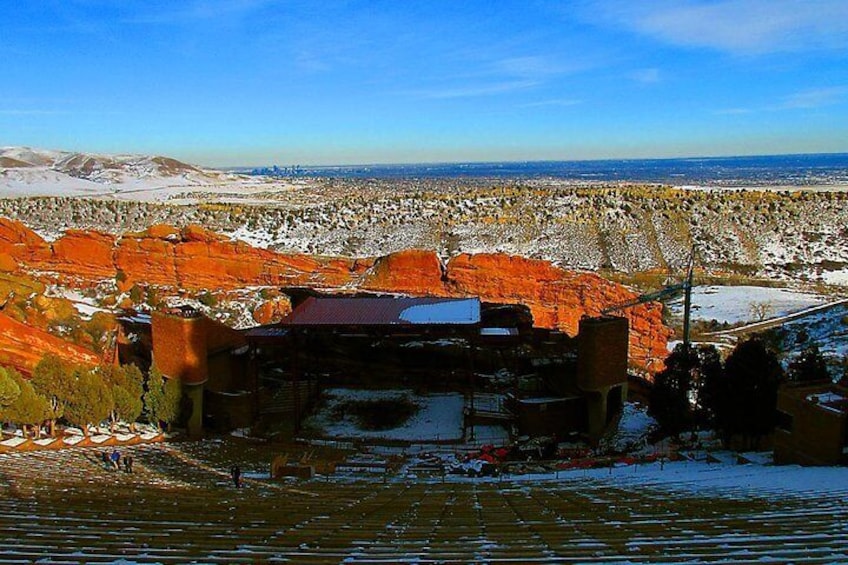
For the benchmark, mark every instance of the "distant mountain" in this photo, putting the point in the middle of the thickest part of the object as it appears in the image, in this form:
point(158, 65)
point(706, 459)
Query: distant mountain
point(97, 168)
point(25, 171)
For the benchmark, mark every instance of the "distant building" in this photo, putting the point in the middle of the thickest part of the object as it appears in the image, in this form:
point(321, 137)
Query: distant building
point(812, 425)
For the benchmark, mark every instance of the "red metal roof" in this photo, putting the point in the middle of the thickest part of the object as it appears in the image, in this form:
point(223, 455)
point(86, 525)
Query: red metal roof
point(384, 311)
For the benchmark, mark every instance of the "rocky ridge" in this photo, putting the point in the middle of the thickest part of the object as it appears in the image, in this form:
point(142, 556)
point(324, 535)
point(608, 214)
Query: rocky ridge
point(194, 258)
point(795, 235)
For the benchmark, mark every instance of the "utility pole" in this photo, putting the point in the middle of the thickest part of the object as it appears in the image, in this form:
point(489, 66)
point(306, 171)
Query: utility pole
point(687, 298)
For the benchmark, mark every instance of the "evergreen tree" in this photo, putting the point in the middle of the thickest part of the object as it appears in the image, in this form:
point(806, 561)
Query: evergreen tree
point(809, 367)
point(744, 397)
point(709, 372)
point(29, 408)
point(173, 392)
point(127, 385)
point(9, 389)
point(669, 401)
point(154, 396)
point(92, 400)
point(54, 379)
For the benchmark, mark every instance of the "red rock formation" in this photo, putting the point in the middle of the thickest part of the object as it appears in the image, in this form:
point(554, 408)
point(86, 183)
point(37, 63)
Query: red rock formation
point(272, 311)
point(412, 271)
point(21, 243)
point(22, 346)
point(195, 258)
point(87, 254)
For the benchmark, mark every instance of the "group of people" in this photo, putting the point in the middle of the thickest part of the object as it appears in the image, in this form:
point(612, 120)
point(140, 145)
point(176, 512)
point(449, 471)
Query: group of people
point(112, 461)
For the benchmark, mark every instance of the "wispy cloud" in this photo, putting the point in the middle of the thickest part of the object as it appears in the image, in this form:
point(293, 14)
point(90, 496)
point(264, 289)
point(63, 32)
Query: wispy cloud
point(22, 112)
point(808, 99)
point(814, 98)
point(732, 111)
point(645, 76)
point(748, 27)
point(193, 11)
point(474, 90)
point(561, 102)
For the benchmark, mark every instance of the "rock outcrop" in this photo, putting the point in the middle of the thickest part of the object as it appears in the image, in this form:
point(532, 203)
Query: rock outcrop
point(194, 258)
point(22, 346)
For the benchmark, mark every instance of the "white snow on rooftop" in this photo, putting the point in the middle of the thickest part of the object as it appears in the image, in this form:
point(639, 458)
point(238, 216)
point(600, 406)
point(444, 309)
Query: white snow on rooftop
point(450, 312)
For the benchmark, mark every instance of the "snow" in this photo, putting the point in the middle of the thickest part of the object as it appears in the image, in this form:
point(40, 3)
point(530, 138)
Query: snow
point(465, 311)
point(85, 305)
point(439, 416)
point(632, 430)
point(13, 441)
point(736, 304)
point(826, 397)
point(720, 479)
point(839, 277)
point(826, 329)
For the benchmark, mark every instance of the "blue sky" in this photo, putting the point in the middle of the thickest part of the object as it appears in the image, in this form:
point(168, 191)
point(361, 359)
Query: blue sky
point(245, 82)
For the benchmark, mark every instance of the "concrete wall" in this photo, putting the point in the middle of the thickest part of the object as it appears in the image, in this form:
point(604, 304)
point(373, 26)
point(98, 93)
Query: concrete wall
point(179, 347)
point(602, 353)
point(816, 434)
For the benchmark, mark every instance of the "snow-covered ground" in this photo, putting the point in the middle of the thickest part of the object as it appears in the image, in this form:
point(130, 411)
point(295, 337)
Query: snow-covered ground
point(828, 330)
point(718, 479)
point(439, 416)
point(739, 304)
point(631, 433)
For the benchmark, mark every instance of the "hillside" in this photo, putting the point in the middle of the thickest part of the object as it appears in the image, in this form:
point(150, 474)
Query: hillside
point(800, 235)
point(26, 171)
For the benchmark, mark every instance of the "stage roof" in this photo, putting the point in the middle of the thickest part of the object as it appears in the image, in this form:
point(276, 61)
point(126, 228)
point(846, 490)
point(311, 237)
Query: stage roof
point(385, 311)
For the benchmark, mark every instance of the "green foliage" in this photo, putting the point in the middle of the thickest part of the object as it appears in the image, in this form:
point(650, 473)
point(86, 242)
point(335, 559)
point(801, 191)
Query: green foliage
point(743, 397)
point(9, 388)
point(173, 393)
point(54, 379)
point(809, 366)
point(127, 386)
point(136, 294)
point(154, 395)
point(91, 402)
point(127, 406)
point(152, 297)
point(29, 407)
point(669, 401)
point(709, 372)
point(207, 299)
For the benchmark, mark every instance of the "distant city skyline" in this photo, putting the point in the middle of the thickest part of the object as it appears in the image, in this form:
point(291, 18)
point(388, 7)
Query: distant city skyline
point(260, 82)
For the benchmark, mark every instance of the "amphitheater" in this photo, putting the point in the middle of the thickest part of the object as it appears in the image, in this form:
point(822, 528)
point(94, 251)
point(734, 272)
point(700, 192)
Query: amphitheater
point(180, 507)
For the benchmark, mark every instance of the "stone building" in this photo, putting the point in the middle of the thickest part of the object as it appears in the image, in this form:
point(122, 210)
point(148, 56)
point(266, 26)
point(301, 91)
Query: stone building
point(812, 425)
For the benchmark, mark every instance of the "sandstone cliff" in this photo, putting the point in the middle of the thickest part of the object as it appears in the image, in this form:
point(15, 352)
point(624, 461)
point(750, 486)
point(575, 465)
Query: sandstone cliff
point(194, 258)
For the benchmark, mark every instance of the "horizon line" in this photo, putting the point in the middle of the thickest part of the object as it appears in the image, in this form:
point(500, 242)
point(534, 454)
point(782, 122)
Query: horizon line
point(525, 161)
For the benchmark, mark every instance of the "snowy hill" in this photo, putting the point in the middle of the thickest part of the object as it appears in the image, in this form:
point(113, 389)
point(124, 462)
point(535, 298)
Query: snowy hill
point(791, 234)
point(26, 171)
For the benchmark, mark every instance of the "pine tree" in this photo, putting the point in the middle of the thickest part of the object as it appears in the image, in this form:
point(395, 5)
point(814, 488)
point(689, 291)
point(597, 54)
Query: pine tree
point(809, 367)
point(154, 396)
point(29, 408)
point(54, 379)
point(91, 402)
point(127, 385)
point(709, 372)
point(744, 398)
point(9, 389)
point(670, 397)
point(173, 392)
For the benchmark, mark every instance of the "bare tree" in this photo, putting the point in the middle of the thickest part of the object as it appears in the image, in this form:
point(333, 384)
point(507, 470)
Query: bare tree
point(761, 310)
